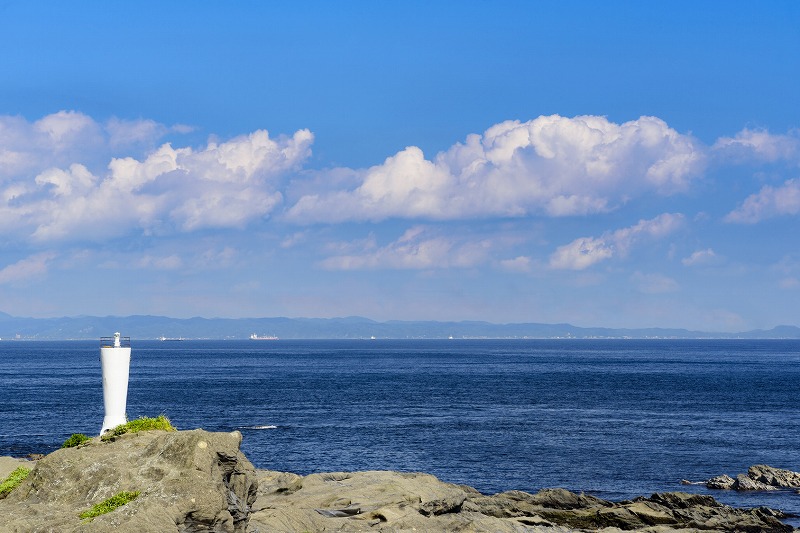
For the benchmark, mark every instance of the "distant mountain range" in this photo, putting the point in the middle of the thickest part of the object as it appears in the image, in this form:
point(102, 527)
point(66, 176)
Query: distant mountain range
point(154, 327)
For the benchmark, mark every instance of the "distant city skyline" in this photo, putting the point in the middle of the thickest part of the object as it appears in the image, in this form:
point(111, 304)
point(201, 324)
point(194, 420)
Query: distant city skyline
point(600, 164)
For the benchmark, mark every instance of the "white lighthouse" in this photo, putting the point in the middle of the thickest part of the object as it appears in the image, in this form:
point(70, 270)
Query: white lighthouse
point(115, 359)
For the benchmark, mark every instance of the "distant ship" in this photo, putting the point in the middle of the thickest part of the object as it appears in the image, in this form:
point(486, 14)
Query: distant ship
point(163, 338)
point(255, 337)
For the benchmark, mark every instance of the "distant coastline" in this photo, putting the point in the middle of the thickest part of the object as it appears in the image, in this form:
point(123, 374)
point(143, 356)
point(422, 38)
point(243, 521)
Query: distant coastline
point(160, 327)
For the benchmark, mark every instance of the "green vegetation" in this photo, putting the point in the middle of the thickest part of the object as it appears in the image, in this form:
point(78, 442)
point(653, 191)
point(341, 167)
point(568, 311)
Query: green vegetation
point(75, 439)
point(13, 480)
point(106, 506)
point(140, 424)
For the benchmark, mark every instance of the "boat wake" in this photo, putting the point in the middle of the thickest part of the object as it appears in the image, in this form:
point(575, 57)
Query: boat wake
point(258, 427)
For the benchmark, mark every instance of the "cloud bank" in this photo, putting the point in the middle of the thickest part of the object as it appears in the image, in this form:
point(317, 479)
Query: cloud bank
point(551, 165)
point(67, 177)
point(221, 185)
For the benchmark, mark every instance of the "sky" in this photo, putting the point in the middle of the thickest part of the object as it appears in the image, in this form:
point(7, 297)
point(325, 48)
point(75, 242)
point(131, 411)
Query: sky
point(618, 164)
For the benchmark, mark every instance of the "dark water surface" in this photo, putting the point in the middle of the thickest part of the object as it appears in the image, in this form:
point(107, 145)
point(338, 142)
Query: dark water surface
point(616, 418)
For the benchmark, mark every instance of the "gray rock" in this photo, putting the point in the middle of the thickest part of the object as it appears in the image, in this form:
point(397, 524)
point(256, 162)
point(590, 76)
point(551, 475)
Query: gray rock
point(744, 482)
point(196, 481)
point(759, 477)
point(190, 481)
point(392, 501)
point(724, 482)
point(776, 477)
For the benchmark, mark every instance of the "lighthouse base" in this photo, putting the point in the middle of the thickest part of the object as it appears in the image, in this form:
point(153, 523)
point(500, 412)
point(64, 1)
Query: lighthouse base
point(110, 422)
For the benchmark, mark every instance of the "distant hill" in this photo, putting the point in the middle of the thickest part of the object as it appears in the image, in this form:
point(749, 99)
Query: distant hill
point(153, 327)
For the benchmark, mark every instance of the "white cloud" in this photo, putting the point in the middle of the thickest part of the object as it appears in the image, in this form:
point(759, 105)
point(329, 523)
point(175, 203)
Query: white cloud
point(75, 181)
point(417, 248)
point(69, 137)
point(28, 268)
point(700, 257)
point(518, 264)
point(759, 145)
point(224, 185)
point(553, 165)
point(654, 283)
point(587, 251)
point(581, 253)
point(768, 202)
point(67, 128)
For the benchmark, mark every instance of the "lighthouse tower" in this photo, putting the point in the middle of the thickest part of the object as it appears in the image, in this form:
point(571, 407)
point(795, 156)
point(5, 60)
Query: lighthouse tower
point(115, 359)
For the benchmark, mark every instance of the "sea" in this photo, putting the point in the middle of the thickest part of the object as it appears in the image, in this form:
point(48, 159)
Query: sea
point(615, 418)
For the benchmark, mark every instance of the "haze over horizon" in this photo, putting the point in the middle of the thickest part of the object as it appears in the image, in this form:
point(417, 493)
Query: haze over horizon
point(615, 165)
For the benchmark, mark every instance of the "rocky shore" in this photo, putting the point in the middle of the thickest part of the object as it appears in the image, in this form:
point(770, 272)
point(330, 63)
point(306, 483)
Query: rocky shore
point(198, 481)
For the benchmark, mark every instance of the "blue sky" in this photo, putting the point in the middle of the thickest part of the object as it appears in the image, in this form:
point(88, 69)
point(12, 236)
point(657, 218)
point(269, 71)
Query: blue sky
point(622, 164)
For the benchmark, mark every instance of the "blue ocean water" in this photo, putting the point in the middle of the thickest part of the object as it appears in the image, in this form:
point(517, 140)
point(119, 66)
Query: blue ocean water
point(615, 418)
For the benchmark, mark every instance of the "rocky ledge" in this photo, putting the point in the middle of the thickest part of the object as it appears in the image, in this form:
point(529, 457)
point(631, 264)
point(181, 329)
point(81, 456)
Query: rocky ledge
point(197, 481)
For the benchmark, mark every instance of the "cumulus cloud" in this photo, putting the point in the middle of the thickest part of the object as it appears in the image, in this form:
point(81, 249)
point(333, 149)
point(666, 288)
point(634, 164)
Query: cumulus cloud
point(59, 139)
point(226, 184)
point(69, 137)
point(587, 251)
point(418, 248)
point(759, 145)
point(553, 165)
point(768, 202)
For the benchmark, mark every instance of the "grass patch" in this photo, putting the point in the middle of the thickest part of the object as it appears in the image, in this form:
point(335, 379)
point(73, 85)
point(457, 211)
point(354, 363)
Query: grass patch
point(75, 439)
point(13, 480)
point(108, 505)
point(140, 424)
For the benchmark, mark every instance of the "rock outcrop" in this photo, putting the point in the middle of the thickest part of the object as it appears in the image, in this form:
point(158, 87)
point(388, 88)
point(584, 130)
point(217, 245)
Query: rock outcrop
point(189, 481)
point(723, 482)
point(774, 477)
point(197, 481)
point(758, 477)
point(392, 501)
